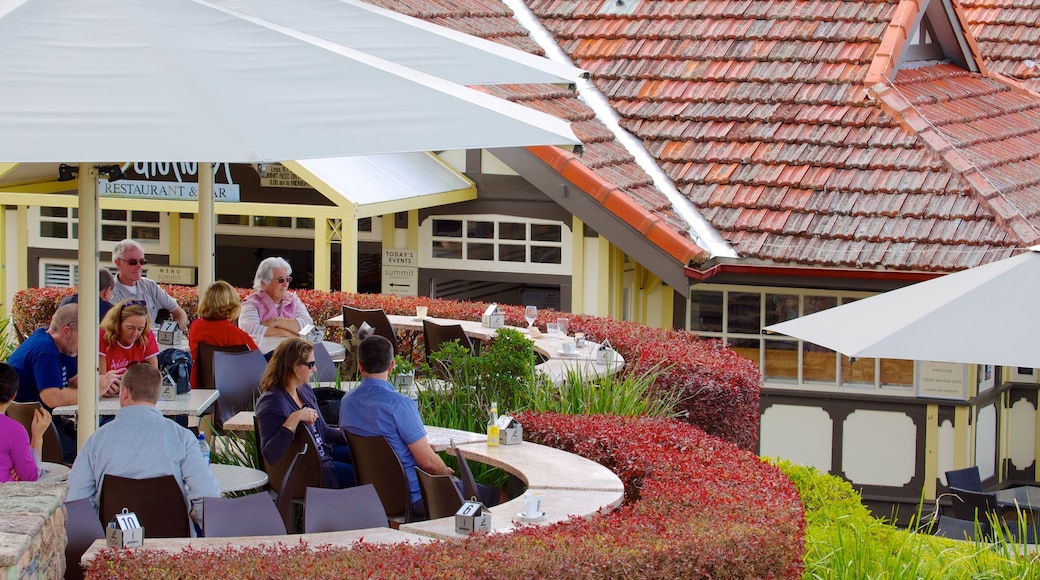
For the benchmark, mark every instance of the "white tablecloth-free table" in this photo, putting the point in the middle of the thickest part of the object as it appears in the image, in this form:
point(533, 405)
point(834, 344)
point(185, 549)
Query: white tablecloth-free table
point(195, 403)
point(238, 478)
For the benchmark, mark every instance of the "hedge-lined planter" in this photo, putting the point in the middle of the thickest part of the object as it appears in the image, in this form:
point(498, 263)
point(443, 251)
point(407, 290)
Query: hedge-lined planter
point(721, 389)
point(696, 507)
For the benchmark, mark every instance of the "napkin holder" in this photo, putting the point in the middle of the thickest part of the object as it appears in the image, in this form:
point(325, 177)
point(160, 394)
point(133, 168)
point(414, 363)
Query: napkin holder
point(493, 317)
point(125, 531)
point(167, 333)
point(509, 431)
point(473, 516)
point(605, 354)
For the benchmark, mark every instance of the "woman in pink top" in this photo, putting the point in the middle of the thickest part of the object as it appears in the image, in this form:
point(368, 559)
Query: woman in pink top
point(19, 457)
point(272, 310)
point(125, 339)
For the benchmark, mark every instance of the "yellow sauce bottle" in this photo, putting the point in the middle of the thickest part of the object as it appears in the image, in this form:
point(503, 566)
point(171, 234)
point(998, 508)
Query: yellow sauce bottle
point(492, 426)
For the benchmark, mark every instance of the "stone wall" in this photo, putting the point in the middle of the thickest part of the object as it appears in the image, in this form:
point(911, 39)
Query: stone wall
point(32, 530)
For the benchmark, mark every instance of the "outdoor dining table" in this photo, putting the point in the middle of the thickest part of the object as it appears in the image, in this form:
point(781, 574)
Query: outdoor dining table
point(336, 350)
point(53, 472)
point(195, 402)
point(1026, 497)
point(234, 478)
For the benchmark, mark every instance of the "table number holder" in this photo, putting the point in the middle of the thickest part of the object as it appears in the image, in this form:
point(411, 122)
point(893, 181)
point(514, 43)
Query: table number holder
point(125, 531)
point(473, 516)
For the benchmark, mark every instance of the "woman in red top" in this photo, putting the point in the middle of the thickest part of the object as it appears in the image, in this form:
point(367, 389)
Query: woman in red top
point(218, 306)
point(126, 338)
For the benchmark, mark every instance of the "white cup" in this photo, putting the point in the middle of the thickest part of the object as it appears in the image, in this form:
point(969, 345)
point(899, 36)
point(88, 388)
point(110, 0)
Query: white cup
point(568, 347)
point(532, 505)
point(421, 311)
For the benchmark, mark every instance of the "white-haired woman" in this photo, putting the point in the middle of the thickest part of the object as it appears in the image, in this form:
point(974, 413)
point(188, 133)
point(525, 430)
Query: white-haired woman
point(271, 308)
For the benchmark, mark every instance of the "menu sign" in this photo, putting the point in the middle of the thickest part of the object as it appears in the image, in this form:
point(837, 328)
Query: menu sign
point(939, 380)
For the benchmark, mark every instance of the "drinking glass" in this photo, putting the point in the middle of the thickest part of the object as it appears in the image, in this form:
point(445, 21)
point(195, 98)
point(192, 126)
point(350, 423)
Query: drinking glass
point(530, 314)
point(563, 323)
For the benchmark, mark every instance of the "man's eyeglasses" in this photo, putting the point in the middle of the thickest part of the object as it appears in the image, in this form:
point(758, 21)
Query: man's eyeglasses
point(283, 280)
point(135, 261)
point(310, 364)
point(142, 303)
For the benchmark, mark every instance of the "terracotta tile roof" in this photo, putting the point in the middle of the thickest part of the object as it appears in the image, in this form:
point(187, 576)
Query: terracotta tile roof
point(764, 116)
point(1008, 35)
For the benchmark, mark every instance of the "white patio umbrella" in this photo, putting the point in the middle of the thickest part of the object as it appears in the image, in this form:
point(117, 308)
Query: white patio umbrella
point(415, 43)
point(101, 81)
point(986, 315)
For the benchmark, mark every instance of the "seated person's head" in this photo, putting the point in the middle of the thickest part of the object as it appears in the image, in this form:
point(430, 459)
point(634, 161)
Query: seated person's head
point(284, 367)
point(8, 383)
point(375, 354)
point(127, 322)
point(143, 383)
point(219, 302)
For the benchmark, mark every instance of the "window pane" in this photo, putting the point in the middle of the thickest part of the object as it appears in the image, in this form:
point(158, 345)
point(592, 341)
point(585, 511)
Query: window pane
point(480, 251)
point(305, 223)
point(365, 224)
point(546, 233)
point(447, 250)
point(781, 360)
point(745, 312)
point(54, 230)
point(447, 228)
point(542, 255)
point(480, 230)
point(272, 221)
point(819, 303)
point(512, 231)
point(114, 215)
point(145, 233)
point(151, 217)
point(113, 233)
point(233, 220)
point(508, 253)
point(75, 230)
point(747, 348)
point(857, 374)
point(898, 372)
point(705, 311)
point(781, 308)
point(54, 212)
point(819, 365)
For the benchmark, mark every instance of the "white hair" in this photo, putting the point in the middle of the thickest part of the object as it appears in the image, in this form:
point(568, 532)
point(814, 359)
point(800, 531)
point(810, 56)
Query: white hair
point(263, 271)
point(123, 246)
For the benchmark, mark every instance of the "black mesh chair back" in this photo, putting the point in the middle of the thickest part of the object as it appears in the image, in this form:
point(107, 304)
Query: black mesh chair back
point(975, 506)
point(967, 478)
point(207, 379)
point(955, 529)
point(82, 527)
point(440, 497)
point(339, 510)
point(375, 318)
point(237, 379)
point(158, 502)
point(376, 462)
point(250, 515)
point(308, 464)
point(435, 335)
point(23, 413)
point(469, 483)
point(324, 367)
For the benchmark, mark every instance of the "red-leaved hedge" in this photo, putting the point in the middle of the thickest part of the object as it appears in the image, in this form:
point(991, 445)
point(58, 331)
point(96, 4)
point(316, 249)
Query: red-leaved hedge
point(721, 388)
point(696, 507)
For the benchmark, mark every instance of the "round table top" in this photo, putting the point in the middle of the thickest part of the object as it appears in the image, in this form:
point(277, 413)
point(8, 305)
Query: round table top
point(238, 478)
point(54, 472)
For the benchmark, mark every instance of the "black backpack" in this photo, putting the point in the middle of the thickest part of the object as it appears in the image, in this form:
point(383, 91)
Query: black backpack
point(175, 366)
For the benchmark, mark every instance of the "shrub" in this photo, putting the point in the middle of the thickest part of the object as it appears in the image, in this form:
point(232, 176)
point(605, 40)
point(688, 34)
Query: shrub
point(718, 389)
point(696, 507)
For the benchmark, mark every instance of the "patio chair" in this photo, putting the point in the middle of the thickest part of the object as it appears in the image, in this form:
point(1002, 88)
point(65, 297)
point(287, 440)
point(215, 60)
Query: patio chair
point(469, 483)
point(82, 527)
point(954, 528)
point(325, 369)
point(375, 318)
point(283, 499)
point(207, 378)
point(308, 464)
point(250, 515)
point(23, 413)
point(435, 335)
point(440, 496)
point(967, 478)
point(376, 462)
point(158, 502)
point(339, 510)
point(237, 379)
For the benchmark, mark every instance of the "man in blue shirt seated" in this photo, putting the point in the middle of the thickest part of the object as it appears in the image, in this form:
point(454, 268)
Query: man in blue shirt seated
point(141, 443)
point(376, 408)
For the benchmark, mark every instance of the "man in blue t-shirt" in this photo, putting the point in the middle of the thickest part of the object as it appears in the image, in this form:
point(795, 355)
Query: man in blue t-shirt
point(46, 370)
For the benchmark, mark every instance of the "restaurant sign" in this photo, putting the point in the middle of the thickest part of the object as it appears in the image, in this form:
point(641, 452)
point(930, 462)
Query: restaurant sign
point(166, 181)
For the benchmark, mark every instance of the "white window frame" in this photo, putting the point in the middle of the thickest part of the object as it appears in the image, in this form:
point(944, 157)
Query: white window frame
point(426, 240)
point(295, 232)
point(161, 246)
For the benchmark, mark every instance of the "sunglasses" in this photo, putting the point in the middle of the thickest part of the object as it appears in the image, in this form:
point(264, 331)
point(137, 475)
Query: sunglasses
point(283, 280)
point(135, 261)
point(142, 303)
point(310, 364)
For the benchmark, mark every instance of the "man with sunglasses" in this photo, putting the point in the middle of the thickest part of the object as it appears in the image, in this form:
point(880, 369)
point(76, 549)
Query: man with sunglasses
point(128, 256)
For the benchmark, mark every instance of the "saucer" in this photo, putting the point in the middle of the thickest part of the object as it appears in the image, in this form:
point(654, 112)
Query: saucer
point(527, 519)
point(567, 354)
